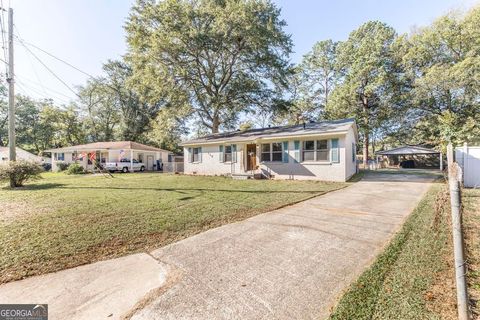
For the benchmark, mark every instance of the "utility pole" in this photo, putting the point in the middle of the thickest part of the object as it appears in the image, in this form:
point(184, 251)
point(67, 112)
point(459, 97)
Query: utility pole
point(11, 93)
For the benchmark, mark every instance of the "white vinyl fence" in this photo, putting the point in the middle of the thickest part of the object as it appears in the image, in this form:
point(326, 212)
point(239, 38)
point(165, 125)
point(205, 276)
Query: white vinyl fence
point(173, 167)
point(469, 160)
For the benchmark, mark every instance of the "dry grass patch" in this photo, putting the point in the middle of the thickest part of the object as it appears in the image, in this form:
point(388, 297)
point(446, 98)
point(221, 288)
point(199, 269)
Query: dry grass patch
point(471, 203)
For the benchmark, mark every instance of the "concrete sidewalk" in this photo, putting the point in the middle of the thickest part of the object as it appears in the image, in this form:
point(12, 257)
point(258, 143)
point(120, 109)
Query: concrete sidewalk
point(291, 263)
point(101, 290)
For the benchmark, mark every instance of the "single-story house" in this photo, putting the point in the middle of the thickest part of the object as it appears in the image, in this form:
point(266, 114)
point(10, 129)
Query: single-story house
point(103, 152)
point(20, 155)
point(317, 151)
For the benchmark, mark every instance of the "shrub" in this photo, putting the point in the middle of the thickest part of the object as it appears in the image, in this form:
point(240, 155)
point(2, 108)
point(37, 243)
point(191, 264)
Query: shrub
point(75, 168)
point(62, 166)
point(19, 172)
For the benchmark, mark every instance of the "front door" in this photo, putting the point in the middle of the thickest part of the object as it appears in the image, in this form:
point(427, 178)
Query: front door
point(149, 162)
point(251, 157)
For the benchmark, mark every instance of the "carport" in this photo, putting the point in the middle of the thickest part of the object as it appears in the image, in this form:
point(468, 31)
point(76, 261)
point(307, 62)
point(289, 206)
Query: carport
point(419, 155)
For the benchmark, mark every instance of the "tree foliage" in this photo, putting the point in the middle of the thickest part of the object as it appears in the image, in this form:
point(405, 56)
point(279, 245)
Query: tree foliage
point(443, 64)
point(221, 57)
point(369, 79)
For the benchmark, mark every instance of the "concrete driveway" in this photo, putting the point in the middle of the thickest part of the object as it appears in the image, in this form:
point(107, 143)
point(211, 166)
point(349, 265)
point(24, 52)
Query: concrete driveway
point(291, 263)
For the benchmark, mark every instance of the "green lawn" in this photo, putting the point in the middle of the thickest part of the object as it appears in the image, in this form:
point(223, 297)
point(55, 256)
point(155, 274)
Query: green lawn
point(411, 279)
point(64, 221)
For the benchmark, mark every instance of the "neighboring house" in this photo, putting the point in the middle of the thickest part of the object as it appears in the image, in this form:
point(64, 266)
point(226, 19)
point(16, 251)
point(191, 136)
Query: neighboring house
point(87, 154)
point(21, 155)
point(317, 151)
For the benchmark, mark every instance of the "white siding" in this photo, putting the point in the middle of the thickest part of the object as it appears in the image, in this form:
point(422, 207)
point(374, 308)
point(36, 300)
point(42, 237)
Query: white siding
point(350, 159)
point(210, 163)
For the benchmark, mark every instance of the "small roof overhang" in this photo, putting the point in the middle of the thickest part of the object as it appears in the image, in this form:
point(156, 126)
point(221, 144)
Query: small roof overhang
point(105, 146)
point(407, 150)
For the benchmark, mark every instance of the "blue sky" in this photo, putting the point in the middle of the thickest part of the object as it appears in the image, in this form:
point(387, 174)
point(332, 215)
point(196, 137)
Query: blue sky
point(88, 32)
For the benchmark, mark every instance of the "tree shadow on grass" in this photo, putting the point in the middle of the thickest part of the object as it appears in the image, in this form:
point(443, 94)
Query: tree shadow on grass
point(181, 190)
point(41, 186)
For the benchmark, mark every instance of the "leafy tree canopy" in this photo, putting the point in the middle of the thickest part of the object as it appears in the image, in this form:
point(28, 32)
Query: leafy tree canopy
point(222, 57)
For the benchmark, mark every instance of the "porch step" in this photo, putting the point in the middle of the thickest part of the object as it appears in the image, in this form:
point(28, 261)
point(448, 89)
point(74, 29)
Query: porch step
point(245, 176)
point(242, 176)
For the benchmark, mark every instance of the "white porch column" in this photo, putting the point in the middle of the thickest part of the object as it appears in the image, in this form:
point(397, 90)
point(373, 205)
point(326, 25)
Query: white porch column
point(131, 160)
point(441, 161)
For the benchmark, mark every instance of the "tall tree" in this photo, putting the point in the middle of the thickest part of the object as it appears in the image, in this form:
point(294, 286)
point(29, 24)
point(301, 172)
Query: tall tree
point(320, 69)
point(443, 62)
point(369, 77)
point(135, 113)
point(100, 109)
point(167, 129)
point(42, 125)
point(222, 56)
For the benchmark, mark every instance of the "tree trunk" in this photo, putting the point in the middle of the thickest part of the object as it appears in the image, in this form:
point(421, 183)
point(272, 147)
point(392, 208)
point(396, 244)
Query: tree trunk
point(215, 124)
point(326, 91)
point(365, 150)
point(373, 144)
point(366, 131)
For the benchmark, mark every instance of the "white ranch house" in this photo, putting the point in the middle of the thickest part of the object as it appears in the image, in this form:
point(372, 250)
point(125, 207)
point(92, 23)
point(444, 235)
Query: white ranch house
point(316, 151)
point(109, 152)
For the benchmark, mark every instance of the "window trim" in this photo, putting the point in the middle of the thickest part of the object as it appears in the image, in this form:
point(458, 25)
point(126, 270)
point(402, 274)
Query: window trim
point(315, 150)
point(271, 152)
point(192, 156)
point(328, 150)
point(225, 153)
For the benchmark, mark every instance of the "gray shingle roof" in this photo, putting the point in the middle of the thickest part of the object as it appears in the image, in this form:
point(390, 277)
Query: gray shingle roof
point(283, 131)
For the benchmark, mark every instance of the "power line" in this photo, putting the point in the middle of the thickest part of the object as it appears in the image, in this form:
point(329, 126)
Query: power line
point(55, 57)
point(4, 44)
point(43, 86)
point(49, 70)
point(25, 88)
point(31, 62)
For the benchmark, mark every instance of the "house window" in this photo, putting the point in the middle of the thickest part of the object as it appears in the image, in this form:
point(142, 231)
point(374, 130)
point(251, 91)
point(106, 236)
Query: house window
point(315, 150)
point(308, 151)
point(227, 155)
point(60, 156)
point(272, 152)
point(277, 151)
point(266, 152)
point(323, 154)
point(74, 156)
point(196, 155)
